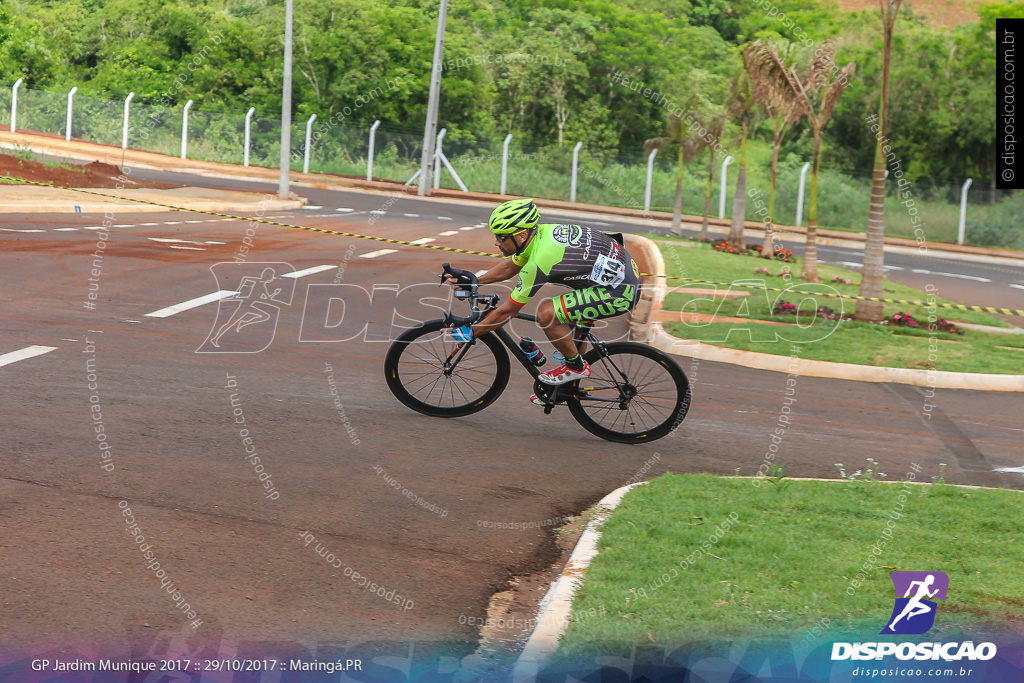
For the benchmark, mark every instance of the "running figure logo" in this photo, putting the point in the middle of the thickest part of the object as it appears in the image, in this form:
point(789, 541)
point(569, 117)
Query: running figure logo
point(247, 317)
point(913, 612)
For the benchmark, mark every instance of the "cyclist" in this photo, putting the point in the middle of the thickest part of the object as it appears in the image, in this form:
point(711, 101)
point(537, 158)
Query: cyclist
point(605, 280)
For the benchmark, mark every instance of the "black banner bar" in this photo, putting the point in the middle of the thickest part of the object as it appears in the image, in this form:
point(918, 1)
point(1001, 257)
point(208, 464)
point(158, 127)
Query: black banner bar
point(1009, 111)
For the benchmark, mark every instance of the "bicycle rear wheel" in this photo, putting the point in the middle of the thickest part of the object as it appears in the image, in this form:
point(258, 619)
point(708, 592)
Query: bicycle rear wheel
point(415, 364)
point(635, 395)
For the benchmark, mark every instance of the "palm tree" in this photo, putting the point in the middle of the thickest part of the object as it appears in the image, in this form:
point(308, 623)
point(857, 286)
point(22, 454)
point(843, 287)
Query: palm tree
point(715, 125)
point(781, 108)
point(741, 106)
point(816, 89)
point(874, 246)
point(688, 143)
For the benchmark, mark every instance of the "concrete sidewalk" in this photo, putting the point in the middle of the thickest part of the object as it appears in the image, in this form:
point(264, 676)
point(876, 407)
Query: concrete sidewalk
point(35, 199)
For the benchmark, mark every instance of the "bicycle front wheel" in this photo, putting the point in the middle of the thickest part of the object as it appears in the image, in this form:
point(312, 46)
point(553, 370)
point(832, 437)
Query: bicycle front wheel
point(634, 395)
point(415, 371)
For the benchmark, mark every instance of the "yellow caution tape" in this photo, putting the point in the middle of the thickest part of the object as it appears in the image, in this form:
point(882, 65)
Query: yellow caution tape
point(470, 252)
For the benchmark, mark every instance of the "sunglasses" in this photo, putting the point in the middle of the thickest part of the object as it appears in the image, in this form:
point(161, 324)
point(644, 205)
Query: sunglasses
point(502, 238)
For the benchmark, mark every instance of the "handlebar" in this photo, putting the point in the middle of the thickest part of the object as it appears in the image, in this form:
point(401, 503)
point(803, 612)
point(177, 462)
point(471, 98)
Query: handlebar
point(466, 287)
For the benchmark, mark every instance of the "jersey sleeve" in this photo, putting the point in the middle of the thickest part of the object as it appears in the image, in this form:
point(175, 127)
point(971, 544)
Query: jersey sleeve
point(531, 279)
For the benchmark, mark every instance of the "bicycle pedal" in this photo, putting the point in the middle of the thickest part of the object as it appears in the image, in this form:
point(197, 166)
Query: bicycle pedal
point(547, 409)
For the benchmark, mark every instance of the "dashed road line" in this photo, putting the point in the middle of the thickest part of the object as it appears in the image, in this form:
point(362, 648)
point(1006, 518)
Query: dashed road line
point(1016, 286)
point(21, 230)
point(423, 240)
point(444, 218)
point(448, 233)
point(308, 271)
point(311, 207)
point(344, 209)
point(379, 252)
point(411, 215)
point(65, 229)
point(468, 227)
point(22, 354)
point(178, 246)
point(191, 303)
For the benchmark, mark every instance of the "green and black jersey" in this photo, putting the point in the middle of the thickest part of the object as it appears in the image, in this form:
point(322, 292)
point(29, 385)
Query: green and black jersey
point(606, 277)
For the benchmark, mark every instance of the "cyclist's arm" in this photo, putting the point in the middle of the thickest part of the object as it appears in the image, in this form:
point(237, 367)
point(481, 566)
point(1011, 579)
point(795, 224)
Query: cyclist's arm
point(501, 272)
point(498, 317)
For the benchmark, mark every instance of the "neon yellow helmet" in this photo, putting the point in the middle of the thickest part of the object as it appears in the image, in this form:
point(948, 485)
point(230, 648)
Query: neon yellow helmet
point(513, 216)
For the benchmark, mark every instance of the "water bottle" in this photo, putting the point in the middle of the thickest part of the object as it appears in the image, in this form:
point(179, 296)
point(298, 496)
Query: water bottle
point(532, 351)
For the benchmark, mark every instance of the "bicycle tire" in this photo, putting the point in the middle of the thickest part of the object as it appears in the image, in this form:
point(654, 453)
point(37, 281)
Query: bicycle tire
point(674, 397)
point(431, 341)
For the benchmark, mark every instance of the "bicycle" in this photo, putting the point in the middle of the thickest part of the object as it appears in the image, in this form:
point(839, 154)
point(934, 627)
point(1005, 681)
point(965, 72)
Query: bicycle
point(635, 393)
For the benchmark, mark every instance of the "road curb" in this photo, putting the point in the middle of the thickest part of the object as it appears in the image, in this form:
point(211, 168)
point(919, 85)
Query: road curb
point(553, 617)
point(644, 329)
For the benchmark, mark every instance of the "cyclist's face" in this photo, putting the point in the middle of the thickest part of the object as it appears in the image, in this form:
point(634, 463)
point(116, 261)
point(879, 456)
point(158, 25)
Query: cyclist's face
point(510, 244)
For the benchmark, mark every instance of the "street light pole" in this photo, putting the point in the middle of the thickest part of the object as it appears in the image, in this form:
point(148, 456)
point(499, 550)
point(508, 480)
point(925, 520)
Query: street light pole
point(430, 130)
point(286, 104)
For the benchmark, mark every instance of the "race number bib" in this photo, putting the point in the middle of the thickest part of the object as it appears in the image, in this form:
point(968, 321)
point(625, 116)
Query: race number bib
point(608, 272)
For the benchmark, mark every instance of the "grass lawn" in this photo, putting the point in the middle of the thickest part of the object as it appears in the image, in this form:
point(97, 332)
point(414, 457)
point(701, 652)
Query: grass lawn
point(690, 558)
point(847, 341)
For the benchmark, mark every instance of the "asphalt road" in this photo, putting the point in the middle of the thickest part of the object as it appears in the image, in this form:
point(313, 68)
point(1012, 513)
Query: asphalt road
point(951, 276)
point(334, 442)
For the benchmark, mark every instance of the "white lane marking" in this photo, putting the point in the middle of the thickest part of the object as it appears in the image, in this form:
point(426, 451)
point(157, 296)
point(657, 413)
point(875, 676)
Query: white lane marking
point(379, 252)
point(172, 222)
point(175, 246)
point(149, 224)
point(966, 277)
point(444, 218)
point(191, 303)
point(423, 240)
point(921, 271)
point(469, 227)
point(124, 225)
point(312, 207)
point(448, 233)
point(308, 271)
point(892, 268)
point(174, 240)
point(22, 354)
point(1010, 469)
point(344, 209)
point(65, 229)
point(481, 225)
point(411, 215)
point(1017, 286)
point(15, 230)
point(378, 212)
point(851, 264)
point(93, 227)
point(193, 221)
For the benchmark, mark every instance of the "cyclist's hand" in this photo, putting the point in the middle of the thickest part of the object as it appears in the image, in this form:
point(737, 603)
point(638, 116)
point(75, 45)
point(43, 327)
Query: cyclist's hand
point(463, 334)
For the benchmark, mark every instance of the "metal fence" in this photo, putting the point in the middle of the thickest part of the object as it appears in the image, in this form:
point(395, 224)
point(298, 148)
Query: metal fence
point(571, 172)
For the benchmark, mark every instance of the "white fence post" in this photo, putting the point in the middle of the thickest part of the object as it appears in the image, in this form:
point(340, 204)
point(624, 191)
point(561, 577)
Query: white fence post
point(309, 134)
point(575, 166)
point(184, 129)
point(124, 129)
point(437, 158)
point(800, 194)
point(721, 192)
point(248, 129)
point(369, 153)
point(14, 104)
point(963, 211)
point(650, 173)
point(504, 162)
point(71, 95)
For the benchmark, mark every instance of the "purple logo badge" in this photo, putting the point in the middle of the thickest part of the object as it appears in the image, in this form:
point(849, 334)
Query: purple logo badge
point(914, 611)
